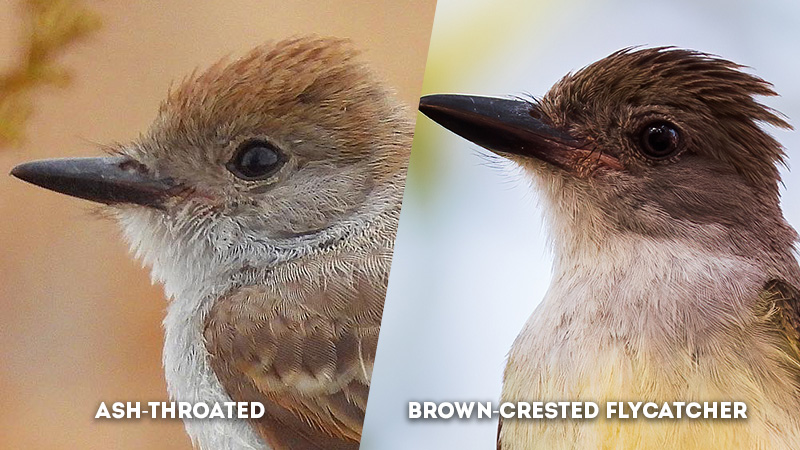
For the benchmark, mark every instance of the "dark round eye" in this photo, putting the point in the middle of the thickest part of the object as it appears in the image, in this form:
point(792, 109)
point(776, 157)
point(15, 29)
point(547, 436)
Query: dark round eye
point(256, 160)
point(659, 139)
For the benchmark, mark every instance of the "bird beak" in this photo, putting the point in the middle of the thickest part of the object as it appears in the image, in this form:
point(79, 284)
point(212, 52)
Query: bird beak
point(511, 127)
point(109, 180)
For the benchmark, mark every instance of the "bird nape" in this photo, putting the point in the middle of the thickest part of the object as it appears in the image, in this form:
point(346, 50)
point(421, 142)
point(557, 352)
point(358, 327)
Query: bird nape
point(674, 273)
point(265, 197)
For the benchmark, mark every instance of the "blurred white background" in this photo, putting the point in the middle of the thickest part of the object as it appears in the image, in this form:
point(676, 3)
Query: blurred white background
point(471, 261)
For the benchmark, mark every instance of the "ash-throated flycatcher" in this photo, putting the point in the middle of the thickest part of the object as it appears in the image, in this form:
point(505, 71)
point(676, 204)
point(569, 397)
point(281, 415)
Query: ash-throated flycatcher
point(674, 274)
point(265, 196)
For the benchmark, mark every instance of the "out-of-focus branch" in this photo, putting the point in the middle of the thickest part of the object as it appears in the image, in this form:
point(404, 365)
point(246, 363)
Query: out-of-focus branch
point(51, 27)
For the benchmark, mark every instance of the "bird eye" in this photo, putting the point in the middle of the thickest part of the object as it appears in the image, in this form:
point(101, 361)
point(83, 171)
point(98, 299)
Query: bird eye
point(256, 160)
point(659, 139)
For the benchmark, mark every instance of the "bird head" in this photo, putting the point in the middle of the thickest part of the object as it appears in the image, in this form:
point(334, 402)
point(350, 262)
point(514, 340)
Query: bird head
point(265, 157)
point(661, 143)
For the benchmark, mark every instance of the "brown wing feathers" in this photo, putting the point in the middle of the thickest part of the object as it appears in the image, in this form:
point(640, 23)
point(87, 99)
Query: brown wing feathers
point(306, 354)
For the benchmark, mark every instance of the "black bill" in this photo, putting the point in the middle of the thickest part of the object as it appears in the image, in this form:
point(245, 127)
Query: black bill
point(109, 180)
point(505, 126)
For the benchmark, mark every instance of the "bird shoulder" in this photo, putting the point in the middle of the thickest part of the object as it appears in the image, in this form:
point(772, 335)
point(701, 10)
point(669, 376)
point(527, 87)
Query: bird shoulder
point(785, 299)
point(303, 344)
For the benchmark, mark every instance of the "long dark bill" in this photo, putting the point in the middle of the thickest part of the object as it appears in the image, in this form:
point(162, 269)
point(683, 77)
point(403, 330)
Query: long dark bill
point(503, 126)
point(109, 180)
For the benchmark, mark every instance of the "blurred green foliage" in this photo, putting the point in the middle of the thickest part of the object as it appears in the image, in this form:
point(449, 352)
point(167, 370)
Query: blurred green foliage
point(51, 26)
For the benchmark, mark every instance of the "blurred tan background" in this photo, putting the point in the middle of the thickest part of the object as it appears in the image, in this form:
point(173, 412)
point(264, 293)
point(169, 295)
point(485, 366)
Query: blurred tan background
point(79, 319)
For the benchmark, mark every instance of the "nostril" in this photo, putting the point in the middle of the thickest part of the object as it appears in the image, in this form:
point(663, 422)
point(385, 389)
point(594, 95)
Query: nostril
point(132, 166)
